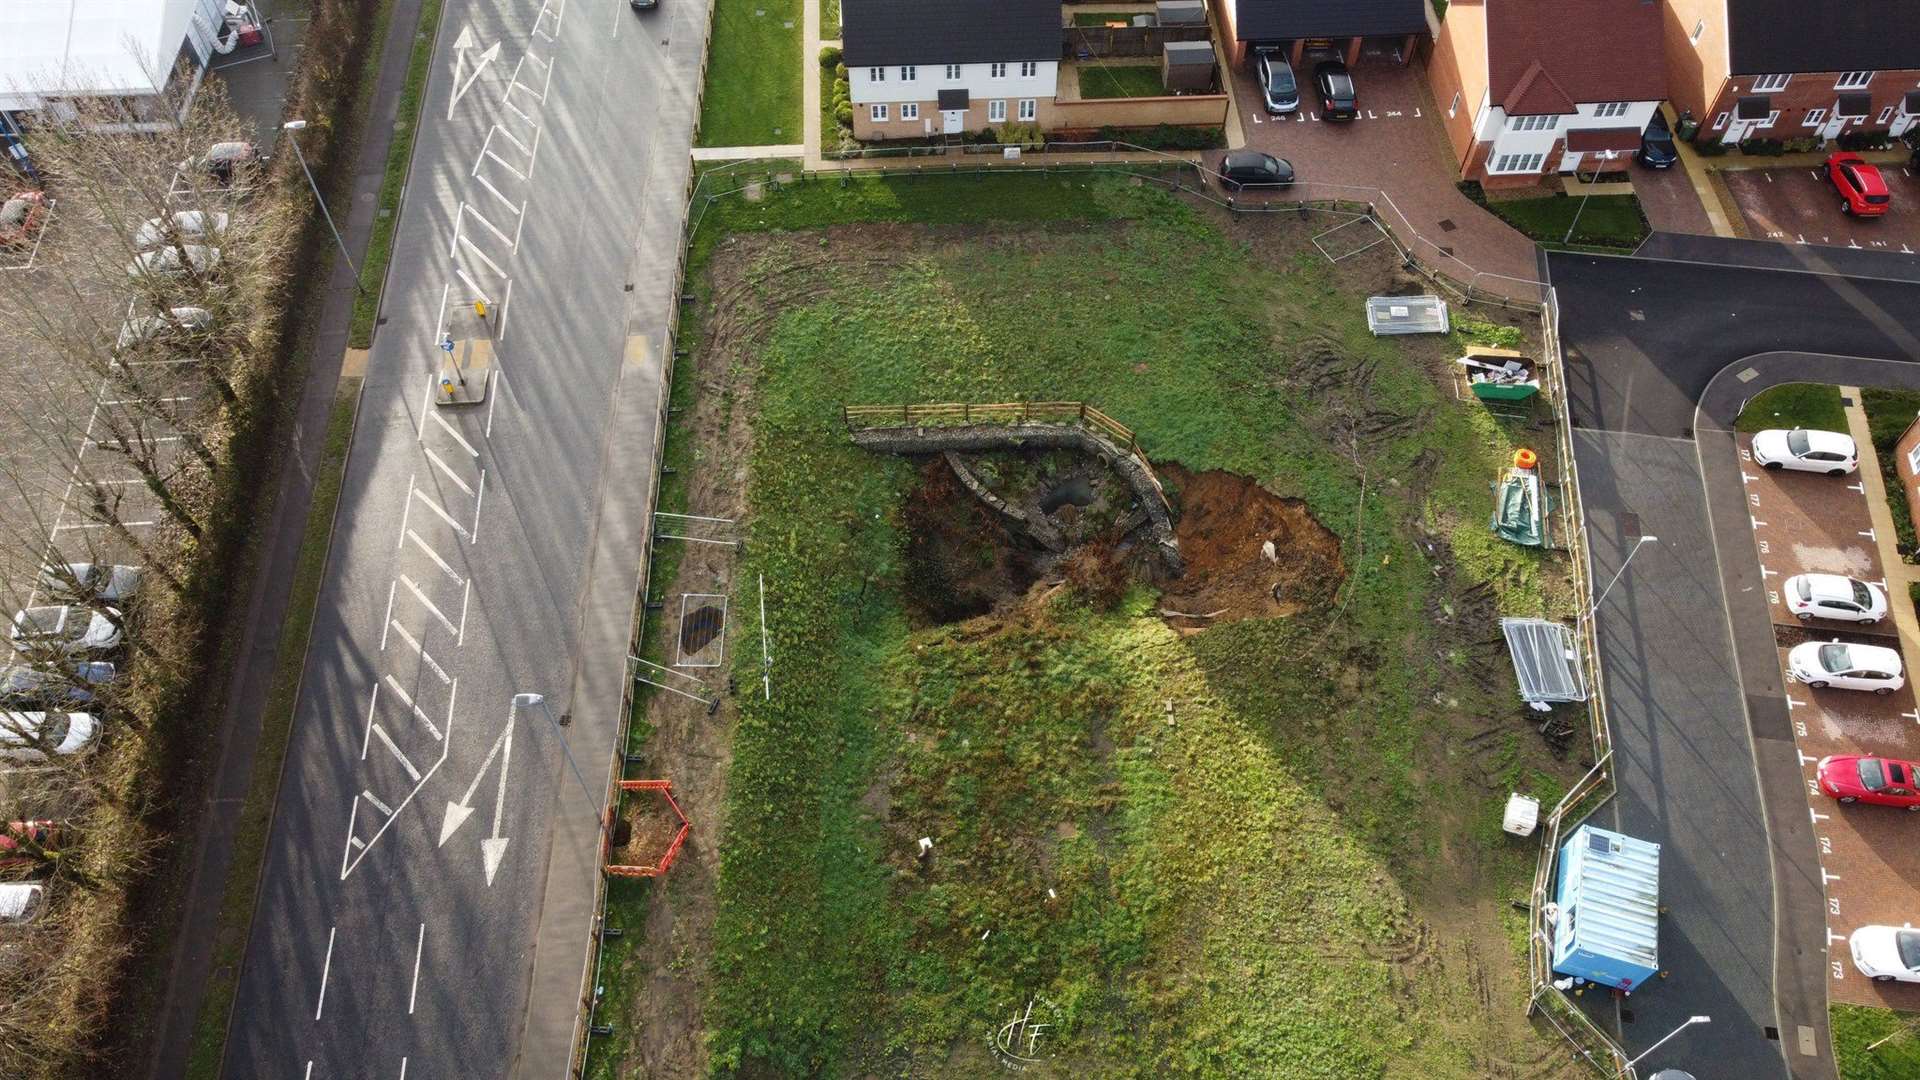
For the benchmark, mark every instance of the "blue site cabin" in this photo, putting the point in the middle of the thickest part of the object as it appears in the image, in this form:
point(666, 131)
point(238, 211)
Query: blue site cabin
point(1607, 927)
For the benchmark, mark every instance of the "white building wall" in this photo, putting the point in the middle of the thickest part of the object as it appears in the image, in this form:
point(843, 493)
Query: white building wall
point(1506, 141)
point(930, 79)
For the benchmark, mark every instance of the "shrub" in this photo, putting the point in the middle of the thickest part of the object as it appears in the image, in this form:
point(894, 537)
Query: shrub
point(1710, 148)
point(1474, 192)
point(1801, 145)
point(829, 56)
point(1759, 147)
point(1866, 140)
point(1168, 137)
point(840, 72)
point(844, 115)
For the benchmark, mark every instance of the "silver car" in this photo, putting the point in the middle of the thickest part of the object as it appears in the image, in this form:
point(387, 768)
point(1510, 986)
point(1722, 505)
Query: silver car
point(187, 224)
point(168, 262)
point(63, 628)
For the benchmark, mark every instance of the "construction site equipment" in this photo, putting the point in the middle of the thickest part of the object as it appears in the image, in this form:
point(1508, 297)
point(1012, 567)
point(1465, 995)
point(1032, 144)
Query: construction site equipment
point(1545, 662)
point(672, 851)
point(1612, 883)
point(1499, 374)
point(1521, 509)
point(1407, 315)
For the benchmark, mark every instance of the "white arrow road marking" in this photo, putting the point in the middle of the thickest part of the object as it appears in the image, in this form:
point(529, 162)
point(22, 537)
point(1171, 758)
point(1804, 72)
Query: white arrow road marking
point(494, 848)
point(460, 47)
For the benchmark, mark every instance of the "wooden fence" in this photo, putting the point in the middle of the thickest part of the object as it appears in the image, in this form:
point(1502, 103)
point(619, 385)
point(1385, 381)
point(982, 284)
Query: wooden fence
point(960, 414)
point(1086, 42)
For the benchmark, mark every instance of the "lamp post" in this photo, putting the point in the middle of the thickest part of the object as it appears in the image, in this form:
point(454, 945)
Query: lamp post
point(1617, 573)
point(1684, 1025)
point(528, 701)
point(298, 125)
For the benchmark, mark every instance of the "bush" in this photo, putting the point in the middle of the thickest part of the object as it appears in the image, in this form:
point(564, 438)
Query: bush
point(1168, 137)
point(840, 72)
point(1475, 194)
point(843, 114)
point(1710, 148)
point(1866, 140)
point(1759, 147)
point(829, 56)
point(1801, 145)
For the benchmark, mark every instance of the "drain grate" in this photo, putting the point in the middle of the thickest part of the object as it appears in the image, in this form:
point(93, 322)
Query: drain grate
point(1447, 225)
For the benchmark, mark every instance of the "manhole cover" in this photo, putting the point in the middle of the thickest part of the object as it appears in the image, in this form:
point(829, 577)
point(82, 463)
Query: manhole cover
point(1447, 225)
point(1748, 374)
point(700, 627)
point(1447, 251)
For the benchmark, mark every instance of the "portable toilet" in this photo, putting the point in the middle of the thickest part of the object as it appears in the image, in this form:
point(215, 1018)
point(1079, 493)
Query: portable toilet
point(1187, 65)
point(1606, 928)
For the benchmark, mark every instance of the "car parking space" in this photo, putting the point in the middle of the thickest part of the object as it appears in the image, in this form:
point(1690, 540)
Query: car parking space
point(1801, 206)
point(25, 216)
point(1806, 523)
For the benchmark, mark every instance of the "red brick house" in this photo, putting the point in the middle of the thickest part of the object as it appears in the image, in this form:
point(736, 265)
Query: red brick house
point(1786, 69)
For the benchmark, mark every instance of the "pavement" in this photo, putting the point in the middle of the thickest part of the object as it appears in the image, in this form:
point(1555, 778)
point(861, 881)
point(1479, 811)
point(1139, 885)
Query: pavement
point(1800, 206)
point(1661, 354)
point(433, 866)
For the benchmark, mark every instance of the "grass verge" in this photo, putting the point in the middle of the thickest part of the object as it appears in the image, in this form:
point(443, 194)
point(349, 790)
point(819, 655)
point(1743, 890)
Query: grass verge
point(1126, 81)
point(256, 814)
point(829, 20)
point(1888, 414)
point(1607, 222)
point(373, 267)
point(1807, 405)
point(1855, 1027)
point(753, 92)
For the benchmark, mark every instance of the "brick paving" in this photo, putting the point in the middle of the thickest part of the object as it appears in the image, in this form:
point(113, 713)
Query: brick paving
point(1670, 201)
point(1806, 523)
point(1799, 206)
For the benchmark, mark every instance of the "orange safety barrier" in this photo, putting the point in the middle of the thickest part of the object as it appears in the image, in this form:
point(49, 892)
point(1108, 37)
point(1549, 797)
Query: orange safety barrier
point(1524, 458)
point(665, 862)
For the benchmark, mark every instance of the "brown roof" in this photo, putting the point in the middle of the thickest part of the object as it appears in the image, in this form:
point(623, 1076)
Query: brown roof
point(1589, 140)
point(1543, 56)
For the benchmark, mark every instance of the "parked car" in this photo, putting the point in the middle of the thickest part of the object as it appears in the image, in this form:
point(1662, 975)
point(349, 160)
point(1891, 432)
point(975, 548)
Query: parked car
point(1863, 191)
point(1339, 100)
point(643, 5)
point(101, 581)
point(1656, 144)
point(227, 161)
point(1853, 778)
point(187, 224)
point(1251, 168)
point(143, 328)
point(24, 688)
point(1806, 450)
point(1277, 86)
point(1832, 596)
point(167, 261)
point(21, 217)
point(23, 734)
point(21, 901)
point(1821, 664)
point(64, 629)
point(19, 839)
point(1886, 953)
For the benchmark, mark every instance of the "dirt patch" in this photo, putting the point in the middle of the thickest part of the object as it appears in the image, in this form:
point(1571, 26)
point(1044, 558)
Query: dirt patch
point(1226, 522)
point(644, 830)
point(961, 561)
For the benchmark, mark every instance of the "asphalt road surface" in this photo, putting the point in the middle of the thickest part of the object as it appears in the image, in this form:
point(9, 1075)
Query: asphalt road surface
point(430, 861)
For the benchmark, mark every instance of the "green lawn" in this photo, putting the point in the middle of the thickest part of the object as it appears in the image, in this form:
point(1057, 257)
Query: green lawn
point(1100, 18)
point(1856, 1026)
point(1888, 414)
point(1224, 902)
point(829, 20)
point(753, 93)
point(1141, 80)
point(1808, 405)
point(1608, 221)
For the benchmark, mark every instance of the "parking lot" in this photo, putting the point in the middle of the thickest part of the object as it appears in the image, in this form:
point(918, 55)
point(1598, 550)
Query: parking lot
point(1800, 206)
point(1805, 523)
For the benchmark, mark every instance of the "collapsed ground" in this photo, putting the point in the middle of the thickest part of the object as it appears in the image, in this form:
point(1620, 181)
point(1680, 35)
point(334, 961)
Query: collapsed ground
point(1199, 824)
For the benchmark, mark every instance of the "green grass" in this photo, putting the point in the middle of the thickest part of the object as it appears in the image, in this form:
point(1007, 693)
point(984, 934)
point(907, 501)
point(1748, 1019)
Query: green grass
point(1221, 897)
point(1607, 222)
point(1888, 414)
point(1100, 18)
point(829, 20)
point(753, 92)
point(1856, 1026)
point(1808, 405)
point(1133, 80)
point(373, 266)
point(255, 814)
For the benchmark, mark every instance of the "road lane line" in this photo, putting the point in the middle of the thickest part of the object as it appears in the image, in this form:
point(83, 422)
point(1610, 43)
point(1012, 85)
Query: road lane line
point(418, 946)
point(503, 337)
point(482, 256)
point(477, 503)
point(485, 143)
point(451, 475)
point(309, 1070)
point(389, 615)
point(424, 654)
point(491, 227)
point(440, 510)
point(511, 139)
point(403, 1064)
point(457, 437)
point(493, 394)
point(509, 104)
point(426, 400)
point(368, 795)
point(517, 229)
point(324, 972)
point(453, 245)
point(502, 162)
point(412, 772)
point(465, 595)
point(368, 733)
point(406, 512)
point(548, 85)
point(533, 158)
point(440, 321)
point(428, 604)
point(435, 556)
point(504, 201)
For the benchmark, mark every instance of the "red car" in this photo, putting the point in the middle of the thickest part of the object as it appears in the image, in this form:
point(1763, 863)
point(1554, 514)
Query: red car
point(20, 218)
point(1853, 778)
point(17, 835)
point(1863, 192)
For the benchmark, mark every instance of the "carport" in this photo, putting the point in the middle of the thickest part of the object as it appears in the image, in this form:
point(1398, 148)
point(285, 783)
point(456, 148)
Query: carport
point(1346, 28)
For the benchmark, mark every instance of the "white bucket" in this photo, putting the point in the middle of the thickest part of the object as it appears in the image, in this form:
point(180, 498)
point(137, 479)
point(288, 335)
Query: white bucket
point(1523, 814)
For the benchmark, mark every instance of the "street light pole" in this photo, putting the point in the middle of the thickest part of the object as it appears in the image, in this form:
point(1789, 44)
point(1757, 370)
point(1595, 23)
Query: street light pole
point(297, 125)
point(529, 701)
point(1684, 1025)
point(1617, 573)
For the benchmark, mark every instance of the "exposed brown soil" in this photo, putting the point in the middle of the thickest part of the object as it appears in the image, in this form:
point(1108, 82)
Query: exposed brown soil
point(644, 831)
point(1225, 521)
point(961, 561)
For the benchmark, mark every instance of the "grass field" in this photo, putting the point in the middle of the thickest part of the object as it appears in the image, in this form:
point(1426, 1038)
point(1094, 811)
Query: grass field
point(1856, 1027)
point(1267, 848)
point(1117, 81)
point(1888, 414)
point(1808, 405)
point(1607, 221)
point(752, 95)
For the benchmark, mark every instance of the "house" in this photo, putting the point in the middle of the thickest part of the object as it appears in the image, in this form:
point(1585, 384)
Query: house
point(931, 67)
point(1526, 87)
point(1782, 69)
point(141, 52)
point(1295, 26)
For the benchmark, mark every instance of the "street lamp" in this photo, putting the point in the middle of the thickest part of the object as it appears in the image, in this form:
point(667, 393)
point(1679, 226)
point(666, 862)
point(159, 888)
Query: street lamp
point(528, 701)
point(299, 125)
point(1684, 1025)
point(1617, 573)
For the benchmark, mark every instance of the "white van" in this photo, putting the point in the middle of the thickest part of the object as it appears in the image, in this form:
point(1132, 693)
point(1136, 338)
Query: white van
point(23, 733)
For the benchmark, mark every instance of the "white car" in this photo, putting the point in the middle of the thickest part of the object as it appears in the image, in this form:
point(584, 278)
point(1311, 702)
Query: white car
point(143, 328)
point(63, 628)
point(1831, 596)
point(23, 734)
point(1886, 953)
point(1806, 450)
point(166, 261)
point(1846, 667)
point(188, 224)
point(21, 902)
point(102, 581)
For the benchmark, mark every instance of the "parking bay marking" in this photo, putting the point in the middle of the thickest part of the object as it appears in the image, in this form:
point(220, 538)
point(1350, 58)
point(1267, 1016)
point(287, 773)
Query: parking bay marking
point(424, 654)
point(457, 437)
point(451, 475)
point(429, 604)
point(408, 700)
point(356, 849)
point(441, 512)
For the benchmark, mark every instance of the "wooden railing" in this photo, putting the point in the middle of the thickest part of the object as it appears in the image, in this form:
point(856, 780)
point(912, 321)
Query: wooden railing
point(963, 414)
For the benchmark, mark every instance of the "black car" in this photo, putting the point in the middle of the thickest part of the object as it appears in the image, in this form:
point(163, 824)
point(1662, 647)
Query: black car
point(1277, 88)
point(643, 5)
point(1251, 168)
point(1656, 145)
point(1338, 99)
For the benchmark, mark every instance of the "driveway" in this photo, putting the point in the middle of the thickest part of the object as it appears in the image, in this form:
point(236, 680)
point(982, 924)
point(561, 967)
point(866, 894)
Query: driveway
point(1396, 146)
point(1799, 206)
point(1668, 198)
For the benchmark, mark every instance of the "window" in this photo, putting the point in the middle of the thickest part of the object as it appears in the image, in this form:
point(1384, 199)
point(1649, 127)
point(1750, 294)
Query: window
point(1515, 163)
point(1029, 68)
point(996, 112)
point(1814, 117)
point(1772, 119)
point(908, 73)
point(1610, 108)
point(1913, 460)
point(1698, 29)
point(1453, 107)
point(1853, 80)
point(1886, 115)
point(1027, 108)
point(1764, 84)
point(1720, 122)
point(997, 71)
point(1533, 123)
point(879, 114)
point(953, 71)
point(910, 111)
point(876, 74)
